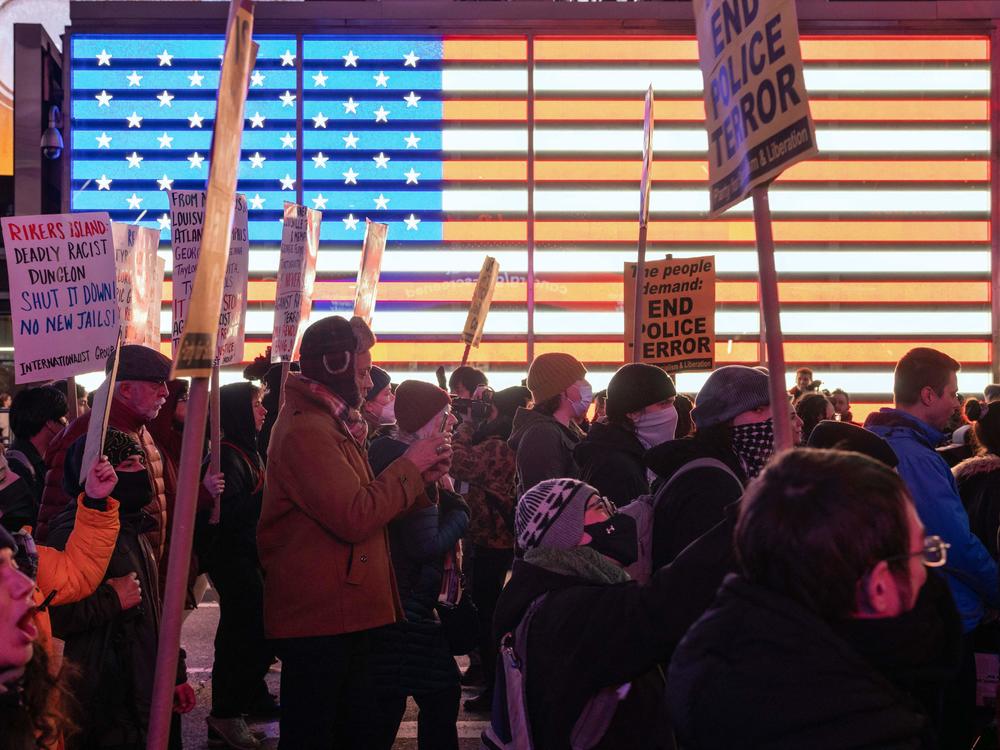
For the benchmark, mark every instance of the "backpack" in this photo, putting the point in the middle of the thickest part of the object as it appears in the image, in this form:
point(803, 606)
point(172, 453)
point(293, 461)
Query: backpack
point(509, 727)
point(17, 456)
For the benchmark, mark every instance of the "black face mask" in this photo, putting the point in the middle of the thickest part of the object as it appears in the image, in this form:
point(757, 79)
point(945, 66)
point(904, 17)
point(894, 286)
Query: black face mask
point(133, 491)
point(617, 538)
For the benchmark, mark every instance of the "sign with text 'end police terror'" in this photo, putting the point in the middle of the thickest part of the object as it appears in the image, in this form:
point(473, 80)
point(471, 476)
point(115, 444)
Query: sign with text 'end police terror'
point(678, 313)
point(756, 109)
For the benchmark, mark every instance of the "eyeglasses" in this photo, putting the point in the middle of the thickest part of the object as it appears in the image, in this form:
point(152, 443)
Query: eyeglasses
point(933, 555)
point(604, 504)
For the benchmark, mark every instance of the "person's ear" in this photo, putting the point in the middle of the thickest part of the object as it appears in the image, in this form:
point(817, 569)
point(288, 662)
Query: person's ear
point(880, 596)
point(927, 395)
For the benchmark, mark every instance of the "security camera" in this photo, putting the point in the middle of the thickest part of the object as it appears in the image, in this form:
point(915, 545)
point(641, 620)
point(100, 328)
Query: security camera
point(52, 141)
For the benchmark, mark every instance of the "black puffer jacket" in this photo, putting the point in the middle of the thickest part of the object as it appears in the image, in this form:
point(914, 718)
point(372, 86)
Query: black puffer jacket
point(758, 670)
point(978, 481)
point(544, 449)
point(610, 459)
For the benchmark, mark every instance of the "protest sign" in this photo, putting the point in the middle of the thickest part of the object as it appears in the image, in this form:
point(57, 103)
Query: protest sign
point(135, 263)
point(62, 293)
point(97, 428)
point(187, 216)
point(155, 305)
point(482, 297)
point(370, 269)
point(678, 314)
point(296, 279)
point(756, 108)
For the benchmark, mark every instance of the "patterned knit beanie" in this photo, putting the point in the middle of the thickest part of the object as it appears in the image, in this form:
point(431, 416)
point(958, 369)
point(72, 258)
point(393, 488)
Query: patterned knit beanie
point(551, 513)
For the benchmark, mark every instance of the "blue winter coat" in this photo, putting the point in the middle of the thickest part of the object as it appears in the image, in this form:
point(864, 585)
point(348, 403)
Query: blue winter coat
point(971, 571)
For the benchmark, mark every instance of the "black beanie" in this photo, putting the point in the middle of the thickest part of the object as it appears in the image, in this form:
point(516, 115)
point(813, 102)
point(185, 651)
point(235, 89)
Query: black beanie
point(848, 437)
point(508, 400)
point(380, 379)
point(636, 386)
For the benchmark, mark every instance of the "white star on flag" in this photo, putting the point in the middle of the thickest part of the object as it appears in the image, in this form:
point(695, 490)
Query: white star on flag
point(287, 99)
point(350, 59)
point(165, 59)
point(134, 160)
point(412, 141)
point(381, 203)
point(350, 176)
point(381, 114)
point(195, 120)
point(257, 121)
point(287, 59)
point(412, 99)
point(166, 141)
point(350, 140)
point(319, 79)
point(288, 140)
point(350, 106)
point(411, 60)
point(411, 177)
point(134, 202)
point(350, 222)
point(381, 161)
point(103, 99)
point(134, 120)
point(103, 58)
point(381, 80)
point(165, 98)
point(320, 160)
point(196, 78)
point(257, 161)
point(164, 222)
point(257, 79)
point(165, 183)
point(319, 202)
point(256, 203)
point(411, 223)
point(196, 159)
point(319, 121)
point(104, 183)
point(104, 141)
point(287, 182)
point(134, 79)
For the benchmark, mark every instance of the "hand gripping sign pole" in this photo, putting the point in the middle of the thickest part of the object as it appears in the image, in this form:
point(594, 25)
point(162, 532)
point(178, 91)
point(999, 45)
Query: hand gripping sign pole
point(479, 308)
point(196, 351)
point(644, 189)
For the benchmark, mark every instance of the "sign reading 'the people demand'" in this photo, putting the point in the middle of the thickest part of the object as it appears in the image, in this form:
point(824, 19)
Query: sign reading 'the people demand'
point(63, 298)
point(756, 108)
point(678, 306)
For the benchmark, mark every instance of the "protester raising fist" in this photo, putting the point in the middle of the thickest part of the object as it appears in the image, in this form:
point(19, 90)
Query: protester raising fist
point(101, 479)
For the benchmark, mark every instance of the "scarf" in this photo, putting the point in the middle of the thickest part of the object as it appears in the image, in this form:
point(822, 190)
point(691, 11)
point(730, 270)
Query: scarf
point(754, 445)
point(579, 562)
point(350, 418)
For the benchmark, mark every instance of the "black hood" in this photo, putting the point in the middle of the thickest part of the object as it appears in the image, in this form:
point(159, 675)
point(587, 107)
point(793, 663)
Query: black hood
point(527, 582)
point(667, 458)
point(383, 451)
point(236, 404)
point(525, 418)
point(602, 438)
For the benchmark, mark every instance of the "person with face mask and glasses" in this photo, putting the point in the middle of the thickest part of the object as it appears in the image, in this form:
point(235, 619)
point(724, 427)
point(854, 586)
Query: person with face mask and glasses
point(544, 436)
point(379, 407)
point(640, 416)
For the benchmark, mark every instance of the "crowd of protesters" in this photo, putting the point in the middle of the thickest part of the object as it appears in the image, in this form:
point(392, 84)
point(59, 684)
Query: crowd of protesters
point(636, 568)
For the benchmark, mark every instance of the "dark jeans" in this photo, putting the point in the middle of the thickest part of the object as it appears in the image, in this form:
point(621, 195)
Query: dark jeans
point(437, 720)
point(242, 653)
point(327, 700)
point(489, 571)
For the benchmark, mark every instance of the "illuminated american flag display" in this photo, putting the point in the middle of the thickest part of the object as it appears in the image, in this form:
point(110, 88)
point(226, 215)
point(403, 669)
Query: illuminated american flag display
point(883, 241)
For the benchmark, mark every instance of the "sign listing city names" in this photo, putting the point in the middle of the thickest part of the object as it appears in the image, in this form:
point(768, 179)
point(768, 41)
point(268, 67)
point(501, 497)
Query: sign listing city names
point(135, 261)
point(678, 313)
point(296, 279)
point(187, 217)
point(756, 108)
point(63, 299)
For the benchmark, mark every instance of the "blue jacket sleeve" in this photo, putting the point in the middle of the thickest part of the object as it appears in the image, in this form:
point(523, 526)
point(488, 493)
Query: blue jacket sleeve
point(431, 532)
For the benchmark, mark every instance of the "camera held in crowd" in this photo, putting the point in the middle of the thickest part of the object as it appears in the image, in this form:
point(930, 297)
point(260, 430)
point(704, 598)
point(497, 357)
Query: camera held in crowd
point(476, 409)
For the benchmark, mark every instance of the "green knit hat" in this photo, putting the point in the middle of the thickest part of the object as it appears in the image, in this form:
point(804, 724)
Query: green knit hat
point(552, 373)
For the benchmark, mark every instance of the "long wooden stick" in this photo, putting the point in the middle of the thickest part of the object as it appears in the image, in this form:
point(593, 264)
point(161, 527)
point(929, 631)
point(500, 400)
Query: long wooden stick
point(71, 400)
point(285, 369)
point(215, 460)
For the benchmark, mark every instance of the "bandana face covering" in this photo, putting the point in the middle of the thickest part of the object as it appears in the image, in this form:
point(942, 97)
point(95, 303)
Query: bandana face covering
point(754, 445)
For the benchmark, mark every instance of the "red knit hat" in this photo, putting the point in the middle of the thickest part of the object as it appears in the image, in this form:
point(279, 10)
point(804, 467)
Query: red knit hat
point(417, 403)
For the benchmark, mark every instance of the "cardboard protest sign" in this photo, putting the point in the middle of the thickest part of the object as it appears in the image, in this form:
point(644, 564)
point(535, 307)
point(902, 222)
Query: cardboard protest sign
point(678, 323)
point(187, 216)
point(135, 261)
point(97, 428)
point(482, 297)
point(296, 279)
point(370, 269)
point(155, 305)
point(647, 159)
point(756, 108)
point(62, 293)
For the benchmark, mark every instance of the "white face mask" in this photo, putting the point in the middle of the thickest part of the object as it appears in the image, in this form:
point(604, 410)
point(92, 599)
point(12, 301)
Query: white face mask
point(653, 428)
point(388, 414)
point(586, 398)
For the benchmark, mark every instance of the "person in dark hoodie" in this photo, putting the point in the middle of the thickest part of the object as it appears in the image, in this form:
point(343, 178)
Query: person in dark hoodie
point(544, 436)
point(112, 634)
point(242, 656)
point(640, 416)
point(978, 478)
point(823, 618)
point(412, 657)
point(36, 417)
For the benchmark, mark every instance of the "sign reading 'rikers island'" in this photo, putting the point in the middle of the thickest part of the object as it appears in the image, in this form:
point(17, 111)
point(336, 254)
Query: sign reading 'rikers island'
point(756, 108)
